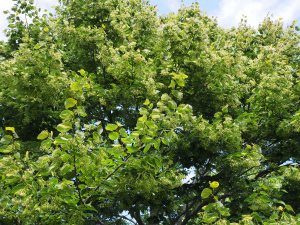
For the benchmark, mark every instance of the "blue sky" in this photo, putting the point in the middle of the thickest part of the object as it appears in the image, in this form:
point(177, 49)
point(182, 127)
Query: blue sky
point(165, 6)
point(228, 12)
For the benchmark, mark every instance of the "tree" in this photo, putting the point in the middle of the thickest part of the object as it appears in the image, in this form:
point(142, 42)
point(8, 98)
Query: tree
point(111, 114)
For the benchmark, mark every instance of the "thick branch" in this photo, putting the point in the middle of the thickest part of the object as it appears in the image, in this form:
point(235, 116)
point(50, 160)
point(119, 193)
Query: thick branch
point(136, 215)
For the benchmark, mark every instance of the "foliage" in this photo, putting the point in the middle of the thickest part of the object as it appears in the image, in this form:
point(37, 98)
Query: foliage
point(111, 114)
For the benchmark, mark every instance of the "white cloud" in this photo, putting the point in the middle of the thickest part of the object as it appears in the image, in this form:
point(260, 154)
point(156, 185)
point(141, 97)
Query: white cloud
point(230, 12)
point(173, 5)
point(46, 4)
point(6, 5)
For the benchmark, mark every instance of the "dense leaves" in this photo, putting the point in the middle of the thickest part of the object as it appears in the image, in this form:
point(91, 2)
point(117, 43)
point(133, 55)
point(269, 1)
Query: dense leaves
point(111, 114)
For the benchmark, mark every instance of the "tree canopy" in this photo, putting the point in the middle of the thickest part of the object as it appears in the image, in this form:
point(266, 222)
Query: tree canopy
point(114, 115)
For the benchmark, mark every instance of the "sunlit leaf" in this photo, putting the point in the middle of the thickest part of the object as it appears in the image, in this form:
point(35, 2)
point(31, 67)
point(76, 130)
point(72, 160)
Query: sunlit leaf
point(43, 135)
point(206, 193)
point(111, 127)
point(113, 136)
point(64, 127)
point(70, 103)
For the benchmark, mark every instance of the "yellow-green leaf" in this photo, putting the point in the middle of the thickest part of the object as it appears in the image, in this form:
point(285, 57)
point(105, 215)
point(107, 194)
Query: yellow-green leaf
point(155, 116)
point(82, 72)
point(75, 86)
point(66, 114)
point(131, 149)
point(12, 129)
point(206, 193)
point(7, 149)
point(64, 127)
point(214, 184)
point(111, 127)
point(147, 148)
point(66, 169)
point(81, 111)
point(113, 136)
point(70, 102)
point(147, 102)
point(43, 135)
point(147, 139)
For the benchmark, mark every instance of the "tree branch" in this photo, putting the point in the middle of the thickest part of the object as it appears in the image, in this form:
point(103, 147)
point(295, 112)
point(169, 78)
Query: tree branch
point(125, 218)
point(76, 183)
point(136, 215)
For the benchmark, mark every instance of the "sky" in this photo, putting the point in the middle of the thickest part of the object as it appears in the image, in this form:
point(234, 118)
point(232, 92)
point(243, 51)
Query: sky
point(227, 12)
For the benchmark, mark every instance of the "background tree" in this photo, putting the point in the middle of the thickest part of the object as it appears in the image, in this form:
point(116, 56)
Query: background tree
point(112, 114)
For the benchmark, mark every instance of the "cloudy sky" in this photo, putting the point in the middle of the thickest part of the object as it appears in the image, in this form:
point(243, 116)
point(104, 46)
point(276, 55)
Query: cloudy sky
point(228, 12)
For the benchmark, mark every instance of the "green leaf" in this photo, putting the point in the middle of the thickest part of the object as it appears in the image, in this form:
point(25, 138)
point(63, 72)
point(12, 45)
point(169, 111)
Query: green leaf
point(64, 127)
point(67, 168)
point(37, 46)
point(18, 188)
point(151, 124)
point(165, 140)
point(46, 144)
point(172, 84)
point(157, 144)
point(43, 135)
point(81, 111)
point(135, 134)
point(7, 149)
point(123, 132)
point(66, 115)
point(46, 29)
point(177, 94)
point(119, 124)
point(206, 193)
point(147, 139)
point(75, 86)
point(147, 148)
point(126, 140)
point(165, 97)
point(61, 140)
point(155, 116)
point(143, 119)
point(147, 102)
point(6, 139)
point(131, 149)
point(70, 102)
point(143, 111)
point(89, 207)
point(180, 78)
point(209, 218)
point(289, 208)
point(111, 127)
point(82, 72)
point(113, 136)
